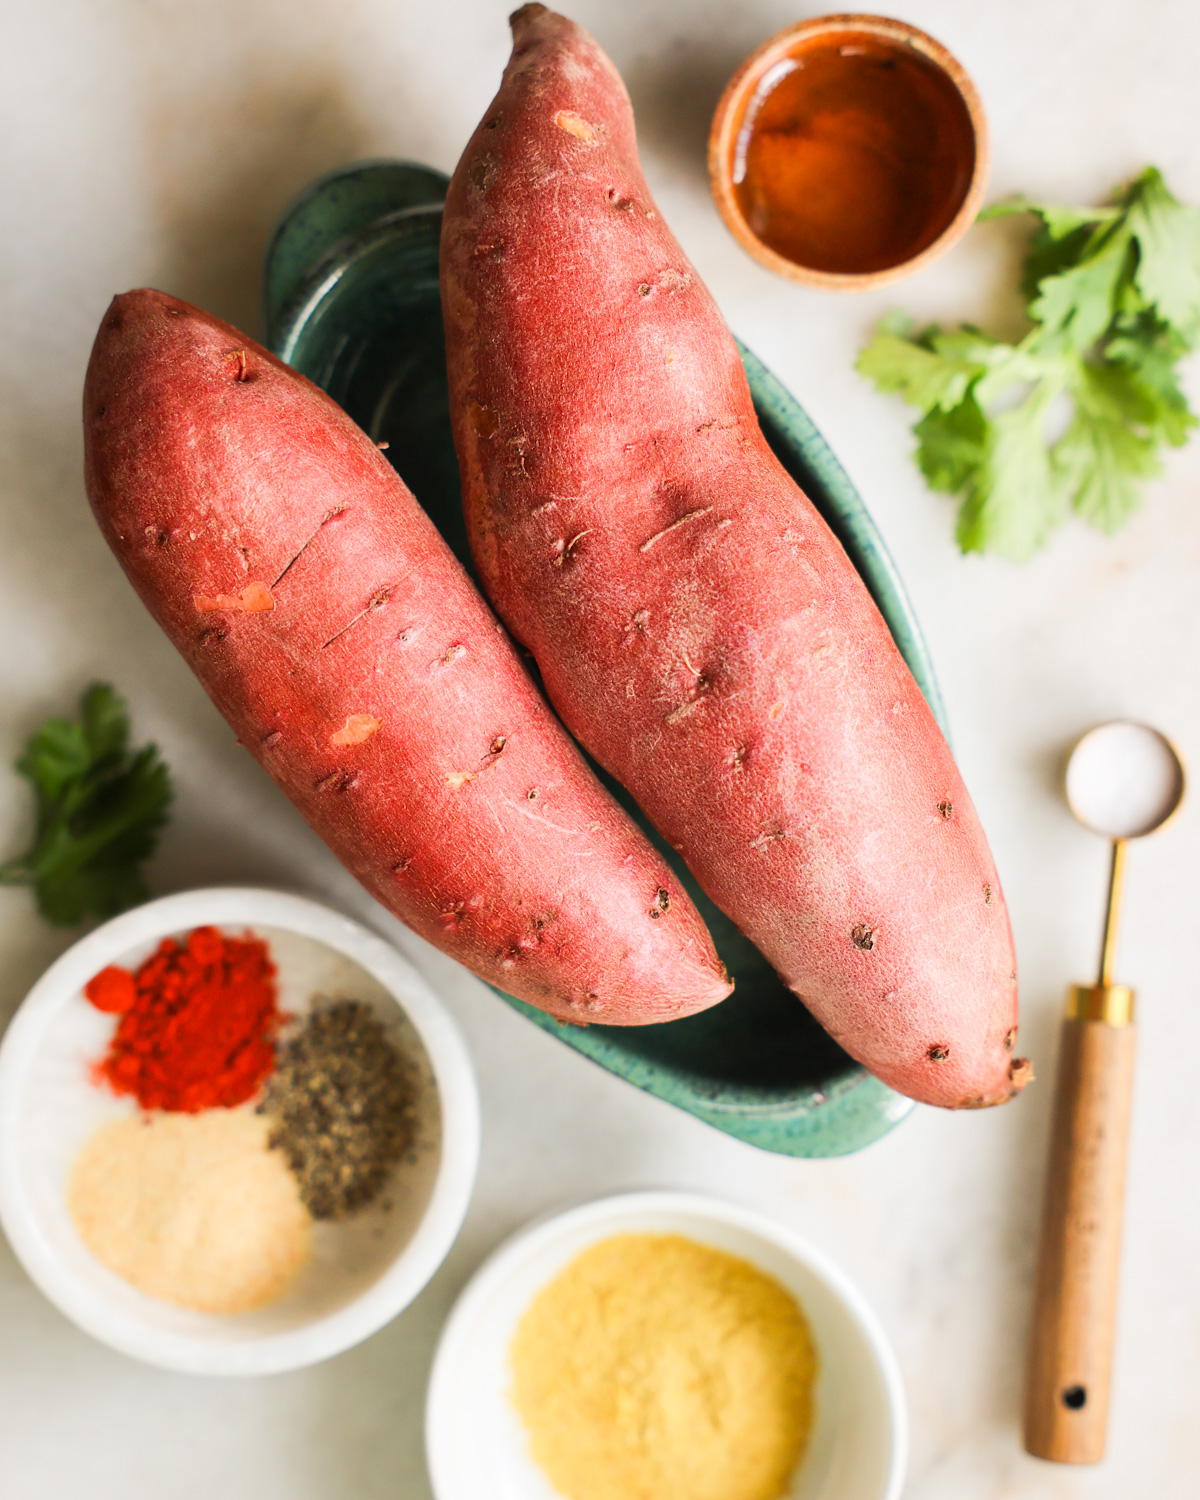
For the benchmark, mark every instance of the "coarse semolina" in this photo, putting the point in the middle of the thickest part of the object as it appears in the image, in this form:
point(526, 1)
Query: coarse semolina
point(656, 1368)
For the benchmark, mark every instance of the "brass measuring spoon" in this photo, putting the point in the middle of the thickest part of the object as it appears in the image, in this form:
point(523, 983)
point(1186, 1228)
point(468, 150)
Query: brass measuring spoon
point(1123, 780)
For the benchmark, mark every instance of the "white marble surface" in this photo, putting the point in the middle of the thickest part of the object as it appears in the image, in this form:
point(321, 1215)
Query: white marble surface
point(154, 142)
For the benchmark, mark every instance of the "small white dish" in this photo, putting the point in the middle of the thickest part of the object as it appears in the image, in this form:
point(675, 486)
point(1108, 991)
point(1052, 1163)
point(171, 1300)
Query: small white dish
point(474, 1439)
point(364, 1269)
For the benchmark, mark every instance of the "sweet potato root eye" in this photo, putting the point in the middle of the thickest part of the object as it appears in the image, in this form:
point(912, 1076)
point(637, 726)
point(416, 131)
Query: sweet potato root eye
point(863, 937)
point(337, 781)
point(238, 368)
point(637, 626)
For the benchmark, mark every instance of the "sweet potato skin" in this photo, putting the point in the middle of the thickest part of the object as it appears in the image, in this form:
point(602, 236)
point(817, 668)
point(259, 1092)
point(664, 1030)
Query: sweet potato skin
point(333, 628)
point(698, 627)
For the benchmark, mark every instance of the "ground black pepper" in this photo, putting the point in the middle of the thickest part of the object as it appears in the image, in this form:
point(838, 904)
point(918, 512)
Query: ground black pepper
point(341, 1107)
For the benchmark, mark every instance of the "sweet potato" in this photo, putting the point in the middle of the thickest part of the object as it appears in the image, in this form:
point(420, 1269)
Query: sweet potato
point(336, 632)
point(698, 627)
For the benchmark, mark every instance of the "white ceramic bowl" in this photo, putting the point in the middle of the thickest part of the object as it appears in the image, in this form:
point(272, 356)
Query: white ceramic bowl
point(363, 1269)
point(474, 1440)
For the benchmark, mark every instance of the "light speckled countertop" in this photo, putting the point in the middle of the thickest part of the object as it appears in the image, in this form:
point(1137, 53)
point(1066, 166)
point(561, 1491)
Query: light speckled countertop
point(155, 142)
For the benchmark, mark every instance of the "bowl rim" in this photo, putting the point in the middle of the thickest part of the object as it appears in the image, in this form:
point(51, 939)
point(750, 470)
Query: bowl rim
point(556, 1223)
point(415, 1263)
point(728, 112)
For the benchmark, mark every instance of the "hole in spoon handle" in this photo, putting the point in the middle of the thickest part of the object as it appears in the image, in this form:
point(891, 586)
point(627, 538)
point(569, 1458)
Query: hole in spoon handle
point(1075, 1299)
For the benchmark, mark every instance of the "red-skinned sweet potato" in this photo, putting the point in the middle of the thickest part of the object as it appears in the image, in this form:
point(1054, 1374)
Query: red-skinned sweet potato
point(698, 627)
point(333, 628)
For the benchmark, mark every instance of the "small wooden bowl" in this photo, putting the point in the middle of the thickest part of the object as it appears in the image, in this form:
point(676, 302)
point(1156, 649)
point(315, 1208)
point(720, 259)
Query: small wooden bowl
point(884, 176)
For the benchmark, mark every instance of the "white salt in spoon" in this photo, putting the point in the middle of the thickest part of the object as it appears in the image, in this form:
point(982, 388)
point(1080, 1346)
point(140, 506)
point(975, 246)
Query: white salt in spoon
point(1123, 780)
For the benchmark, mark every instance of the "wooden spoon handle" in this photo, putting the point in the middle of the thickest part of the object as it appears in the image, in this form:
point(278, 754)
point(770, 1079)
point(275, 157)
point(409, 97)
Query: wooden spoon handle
point(1075, 1302)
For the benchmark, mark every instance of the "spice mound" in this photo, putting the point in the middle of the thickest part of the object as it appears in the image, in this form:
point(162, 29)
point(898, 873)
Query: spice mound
point(200, 1202)
point(656, 1368)
point(192, 1209)
point(340, 1104)
point(197, 1022)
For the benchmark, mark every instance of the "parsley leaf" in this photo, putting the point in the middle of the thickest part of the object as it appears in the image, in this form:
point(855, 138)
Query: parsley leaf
point(1114, 301)
point(1149, 351)
point(100, 809)
point(1058, 223)
point(1015, 499)
point(1076, 303)
point(951, 445)
point(923, 377)
point(1168, 240)
point(1107, 446)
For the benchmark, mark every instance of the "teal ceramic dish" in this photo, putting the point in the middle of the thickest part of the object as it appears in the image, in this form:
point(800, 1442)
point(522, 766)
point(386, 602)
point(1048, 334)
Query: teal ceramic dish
point(352, 301)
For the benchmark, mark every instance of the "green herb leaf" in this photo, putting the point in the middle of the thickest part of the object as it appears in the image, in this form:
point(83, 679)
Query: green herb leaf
point(1076, 304)
point(1149, 352)
point(100, 809)
point(1168, 241)
point(952, 446)
point(1017, 498)
point(1114, 300)
point(1059, 221)
point(1103, 451)
point(923, 377)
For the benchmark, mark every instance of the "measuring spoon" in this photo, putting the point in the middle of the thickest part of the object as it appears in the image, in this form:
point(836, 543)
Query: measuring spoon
point(1124, 780)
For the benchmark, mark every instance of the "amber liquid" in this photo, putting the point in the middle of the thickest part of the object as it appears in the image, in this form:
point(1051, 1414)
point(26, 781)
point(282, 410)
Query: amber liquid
point(854, 154)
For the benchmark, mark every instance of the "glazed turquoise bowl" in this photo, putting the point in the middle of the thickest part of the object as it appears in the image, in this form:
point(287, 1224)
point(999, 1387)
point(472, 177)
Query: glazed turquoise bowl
point(352, 301)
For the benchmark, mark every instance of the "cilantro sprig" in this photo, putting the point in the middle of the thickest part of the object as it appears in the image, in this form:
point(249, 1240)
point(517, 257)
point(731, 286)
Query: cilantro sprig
point(100, 809)
point(1114, 300)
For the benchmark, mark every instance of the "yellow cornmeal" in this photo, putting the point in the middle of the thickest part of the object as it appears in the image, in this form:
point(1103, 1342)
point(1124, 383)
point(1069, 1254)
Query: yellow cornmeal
point(192, 1209)
point(656, 1368)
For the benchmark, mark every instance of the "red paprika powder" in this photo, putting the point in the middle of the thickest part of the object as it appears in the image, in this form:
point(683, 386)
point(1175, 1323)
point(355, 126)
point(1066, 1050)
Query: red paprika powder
point(197, 1022)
